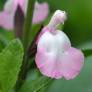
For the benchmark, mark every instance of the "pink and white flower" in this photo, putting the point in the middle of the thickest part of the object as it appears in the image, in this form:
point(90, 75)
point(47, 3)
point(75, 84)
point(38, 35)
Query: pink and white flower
point(7, 15)
point(55, 56)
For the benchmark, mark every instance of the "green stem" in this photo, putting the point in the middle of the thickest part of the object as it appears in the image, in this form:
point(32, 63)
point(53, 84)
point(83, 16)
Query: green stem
point(28, 24)
point(26, 35)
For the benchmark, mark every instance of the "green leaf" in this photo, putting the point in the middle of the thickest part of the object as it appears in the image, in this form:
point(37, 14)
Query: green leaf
point(9, 35)
point(10, 63)
point(3, 42)
point(87, 52)
point(35, 85)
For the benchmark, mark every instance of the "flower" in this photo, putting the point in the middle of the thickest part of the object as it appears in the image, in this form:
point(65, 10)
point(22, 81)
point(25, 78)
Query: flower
point(7, 15)
point(55, 56)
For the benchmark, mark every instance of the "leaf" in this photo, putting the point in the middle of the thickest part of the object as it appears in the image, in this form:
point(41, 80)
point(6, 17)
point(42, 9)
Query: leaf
point(35, 85)
point(87, 52)
point(10, 63)
point(9, 35)
point(3, 42)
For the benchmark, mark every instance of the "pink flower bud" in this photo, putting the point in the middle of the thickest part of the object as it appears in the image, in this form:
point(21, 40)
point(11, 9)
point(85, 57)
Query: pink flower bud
point(7, 15)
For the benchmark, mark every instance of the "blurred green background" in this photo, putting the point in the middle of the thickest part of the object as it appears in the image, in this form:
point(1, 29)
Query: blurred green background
point(79, 29)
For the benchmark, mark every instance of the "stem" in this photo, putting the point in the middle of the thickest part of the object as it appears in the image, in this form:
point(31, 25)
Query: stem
point(26, 42)
point(28, 24)
point(32, 46)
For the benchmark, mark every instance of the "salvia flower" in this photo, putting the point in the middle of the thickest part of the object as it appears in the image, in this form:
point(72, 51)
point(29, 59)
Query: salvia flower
point(55, 56)
point(7, 15)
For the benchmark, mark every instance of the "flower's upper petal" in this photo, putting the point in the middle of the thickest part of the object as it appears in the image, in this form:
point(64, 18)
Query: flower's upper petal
point(6, 20)
point(71, 63)
point(59, 17)
point(40, 12)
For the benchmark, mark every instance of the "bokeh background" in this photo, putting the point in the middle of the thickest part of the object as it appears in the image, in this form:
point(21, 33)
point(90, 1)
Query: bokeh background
point(79, 29)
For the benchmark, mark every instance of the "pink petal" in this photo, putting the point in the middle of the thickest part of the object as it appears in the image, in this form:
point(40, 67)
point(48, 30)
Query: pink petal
point(9, 6)
point(6, 20)
point(68, 65)
point(22, 4)
point(7, 15)
point(40, 13)
point(45, 29)
point(46, 64)
point(72, 62)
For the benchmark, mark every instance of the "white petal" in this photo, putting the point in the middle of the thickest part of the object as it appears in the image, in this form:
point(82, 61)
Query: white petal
point(56, 43)
point(9, 6)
